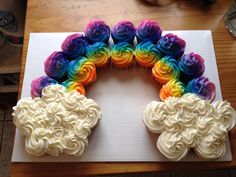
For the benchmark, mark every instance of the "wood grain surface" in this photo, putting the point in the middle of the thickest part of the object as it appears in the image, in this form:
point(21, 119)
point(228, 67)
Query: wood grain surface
point(73, 15)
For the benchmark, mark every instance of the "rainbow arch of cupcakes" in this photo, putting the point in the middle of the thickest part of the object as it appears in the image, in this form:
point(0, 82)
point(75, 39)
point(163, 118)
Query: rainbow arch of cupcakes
point(81, 54)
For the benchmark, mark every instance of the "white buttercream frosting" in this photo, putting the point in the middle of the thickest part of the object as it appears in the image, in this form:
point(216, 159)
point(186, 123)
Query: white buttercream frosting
point(190, 122)
point(59, 122)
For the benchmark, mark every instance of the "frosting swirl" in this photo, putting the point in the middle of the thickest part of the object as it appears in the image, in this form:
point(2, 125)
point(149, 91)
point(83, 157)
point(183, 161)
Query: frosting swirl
point(123, 31)
point(172, 88)
point(146, 54)
point(191, 66)
point(82, 70)
point(99, 54)
point(74, 45)
point(148, 30)
point(55, 66)
point(165, 70)
point(39, 83)
point(72, 85)
point(202, 87)
point(97, 31)
point(122, 55)
point(171, 45)
point(56, 125)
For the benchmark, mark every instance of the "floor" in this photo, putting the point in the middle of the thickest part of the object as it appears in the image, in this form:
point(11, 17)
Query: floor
point(7, 131)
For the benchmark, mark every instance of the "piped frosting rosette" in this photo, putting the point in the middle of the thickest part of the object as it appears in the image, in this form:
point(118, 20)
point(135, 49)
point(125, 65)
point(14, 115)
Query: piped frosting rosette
point(39, 83)
point(148, 30)
point(202, 87)
point(171, 45)
point(165, 69)
point(55, 66)
point(191, 66)
point(74, 45)
point(82, 70)
point(122, 55)
point(123, 31)
point(146, 54)
point(97, 31)
point(190, 122)
point(73, 85)
point(99, 54)
point(58, 123)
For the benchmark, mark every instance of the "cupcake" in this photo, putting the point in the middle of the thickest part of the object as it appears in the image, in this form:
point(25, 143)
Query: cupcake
point(173, 88)
point(38, 84)
point(146, 54)
point(122, 55)
point(148, 30)
point(73, 85)
point(171, 45)
point(74, 45)
point(202, 87)
point(165, 69)
point(191, 66)
point(97, 31)
point(82, 70)
point(123, 31)
point(55, 66)
point(99, 54)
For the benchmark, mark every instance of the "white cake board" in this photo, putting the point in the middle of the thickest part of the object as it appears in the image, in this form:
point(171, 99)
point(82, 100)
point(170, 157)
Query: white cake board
point(121, 134)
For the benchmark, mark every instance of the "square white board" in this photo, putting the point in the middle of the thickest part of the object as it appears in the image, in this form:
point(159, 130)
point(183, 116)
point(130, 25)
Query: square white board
point(122, 94)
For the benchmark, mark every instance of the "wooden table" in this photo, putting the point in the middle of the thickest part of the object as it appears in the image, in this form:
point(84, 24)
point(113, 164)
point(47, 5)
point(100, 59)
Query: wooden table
point(73, 15)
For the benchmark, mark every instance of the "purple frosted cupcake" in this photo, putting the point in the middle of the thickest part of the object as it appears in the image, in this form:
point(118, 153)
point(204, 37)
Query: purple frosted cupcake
point(74, 45)
point(148, 30)
point(38, 84)
point(191, 66)
point(55, 66)
point(171, 45)
point(202, 87)
point(123, 31)
point(97, 31)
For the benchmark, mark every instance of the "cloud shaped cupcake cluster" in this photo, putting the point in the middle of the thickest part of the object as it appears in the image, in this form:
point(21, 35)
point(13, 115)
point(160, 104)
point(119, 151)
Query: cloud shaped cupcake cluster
point(190, 122)
point(59, 122)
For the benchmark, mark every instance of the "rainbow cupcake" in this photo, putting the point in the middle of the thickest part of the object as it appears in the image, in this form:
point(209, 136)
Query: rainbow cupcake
point(97, 31)
point(202, 87)
point(171, 45)
point(73, 85)
point(55, 66)
point(165, 70)
point(173, 88)
point(74, 45)
point(122, 55)
point(146, 54)
point(82, 70)
point(99, 54)
point(148, 30)
point(39, 83)
point(123, 31)
point(191, 66)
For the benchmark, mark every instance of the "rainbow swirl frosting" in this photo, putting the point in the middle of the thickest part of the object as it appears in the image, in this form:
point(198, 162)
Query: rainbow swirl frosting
point(173, 88)
point(73, 85)
point(146, 54)
point(191, 66)
point(165, 70)
point(122, 55)
point(97, 31)
point(148, 30)
point(123, 31)
point(82, 70)
point(39, 83)
point(171, 45)
point(202, 87)
point(74, 45)
point(98, 53)
point(55, 66)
